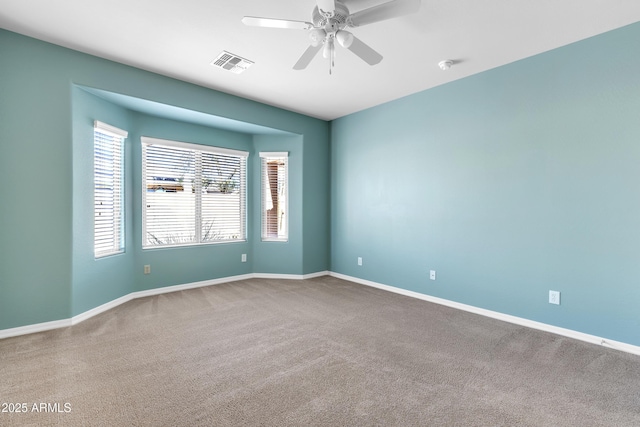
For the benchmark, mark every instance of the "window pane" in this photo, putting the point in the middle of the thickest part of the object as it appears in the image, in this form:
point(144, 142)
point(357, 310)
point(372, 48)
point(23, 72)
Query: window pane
point(192, 196)
point(170, 200)
point(275, 223)
point(108, 194)
point(222, 197)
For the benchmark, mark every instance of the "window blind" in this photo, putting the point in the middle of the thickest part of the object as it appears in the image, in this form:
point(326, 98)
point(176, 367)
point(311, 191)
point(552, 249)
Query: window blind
point(193, 194)
point(274, 196)
point(108, 143)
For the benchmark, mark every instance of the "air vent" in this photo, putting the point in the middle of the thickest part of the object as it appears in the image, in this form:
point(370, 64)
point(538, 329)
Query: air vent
point(231, 62)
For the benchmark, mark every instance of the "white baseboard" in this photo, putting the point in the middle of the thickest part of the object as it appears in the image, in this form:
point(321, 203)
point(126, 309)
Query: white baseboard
point(46, 326)
point(617, 345)
point(290, 276)
point(314, 275)
point(32, 329)
point(193, 285)
point(150, 292)
point(277, 276)
point(100, 309)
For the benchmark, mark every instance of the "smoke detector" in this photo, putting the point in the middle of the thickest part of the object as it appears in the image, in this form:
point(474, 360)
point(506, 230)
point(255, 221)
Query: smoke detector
point(231, 62)
point(445, 65)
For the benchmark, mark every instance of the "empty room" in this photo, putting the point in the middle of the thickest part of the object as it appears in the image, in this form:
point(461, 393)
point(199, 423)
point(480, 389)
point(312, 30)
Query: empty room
point(320, 212)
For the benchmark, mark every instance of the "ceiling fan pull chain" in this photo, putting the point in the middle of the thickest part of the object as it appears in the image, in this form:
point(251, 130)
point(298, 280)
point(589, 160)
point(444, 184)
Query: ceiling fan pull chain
point(333, 57)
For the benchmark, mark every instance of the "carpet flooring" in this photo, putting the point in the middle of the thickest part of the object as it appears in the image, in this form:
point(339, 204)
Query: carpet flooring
point(319, 352)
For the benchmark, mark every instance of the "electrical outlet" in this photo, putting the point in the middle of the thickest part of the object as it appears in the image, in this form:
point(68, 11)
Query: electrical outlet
point(359, 260)
point(244, 257)
point(147, 269)
point(554, 297)
point(432, 274)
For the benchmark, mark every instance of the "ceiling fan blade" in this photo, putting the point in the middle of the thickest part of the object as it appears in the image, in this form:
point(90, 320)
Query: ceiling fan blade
point(364, 52)
point(307, 56)
point(328, 6)
point(276, 23)
point(384, 11)
point(356, 3)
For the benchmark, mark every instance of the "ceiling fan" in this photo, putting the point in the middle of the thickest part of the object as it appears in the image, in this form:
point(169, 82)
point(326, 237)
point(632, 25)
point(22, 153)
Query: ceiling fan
point(330, 18)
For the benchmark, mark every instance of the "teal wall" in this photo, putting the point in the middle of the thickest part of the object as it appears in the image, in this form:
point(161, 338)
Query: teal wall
point(97, 281)
point(35, 171)
point(47, 268)
point(268, 257)
point(316, 162)
point(509, 183)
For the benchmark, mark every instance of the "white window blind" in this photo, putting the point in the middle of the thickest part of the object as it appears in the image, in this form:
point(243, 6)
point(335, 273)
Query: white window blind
point(275, 196)
point(108, 146)
point(193, 194)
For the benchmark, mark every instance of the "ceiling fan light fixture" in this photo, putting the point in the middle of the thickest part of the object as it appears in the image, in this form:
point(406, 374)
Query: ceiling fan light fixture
point(317, 36)
point(328, 49)
point(345, 38)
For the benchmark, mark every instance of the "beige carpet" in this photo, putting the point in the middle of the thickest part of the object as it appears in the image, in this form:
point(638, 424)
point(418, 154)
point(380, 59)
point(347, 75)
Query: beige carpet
point(305, 353)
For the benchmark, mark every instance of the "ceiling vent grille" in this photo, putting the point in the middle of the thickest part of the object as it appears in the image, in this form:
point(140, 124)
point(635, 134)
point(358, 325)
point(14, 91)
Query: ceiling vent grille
point(231, 62)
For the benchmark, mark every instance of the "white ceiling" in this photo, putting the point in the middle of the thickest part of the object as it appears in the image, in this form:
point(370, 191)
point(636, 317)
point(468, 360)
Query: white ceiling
point(181, 38)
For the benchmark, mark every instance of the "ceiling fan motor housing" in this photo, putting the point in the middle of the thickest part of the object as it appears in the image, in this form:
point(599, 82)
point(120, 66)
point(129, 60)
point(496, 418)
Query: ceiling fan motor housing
point(339, 17)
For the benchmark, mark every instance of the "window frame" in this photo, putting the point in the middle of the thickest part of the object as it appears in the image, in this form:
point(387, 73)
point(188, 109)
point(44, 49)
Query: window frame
point(265, 156)
point(112, 142)
point(198, 208)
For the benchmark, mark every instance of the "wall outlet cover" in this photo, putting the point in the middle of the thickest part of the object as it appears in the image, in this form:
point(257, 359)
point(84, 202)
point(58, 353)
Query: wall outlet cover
point(554, 297)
